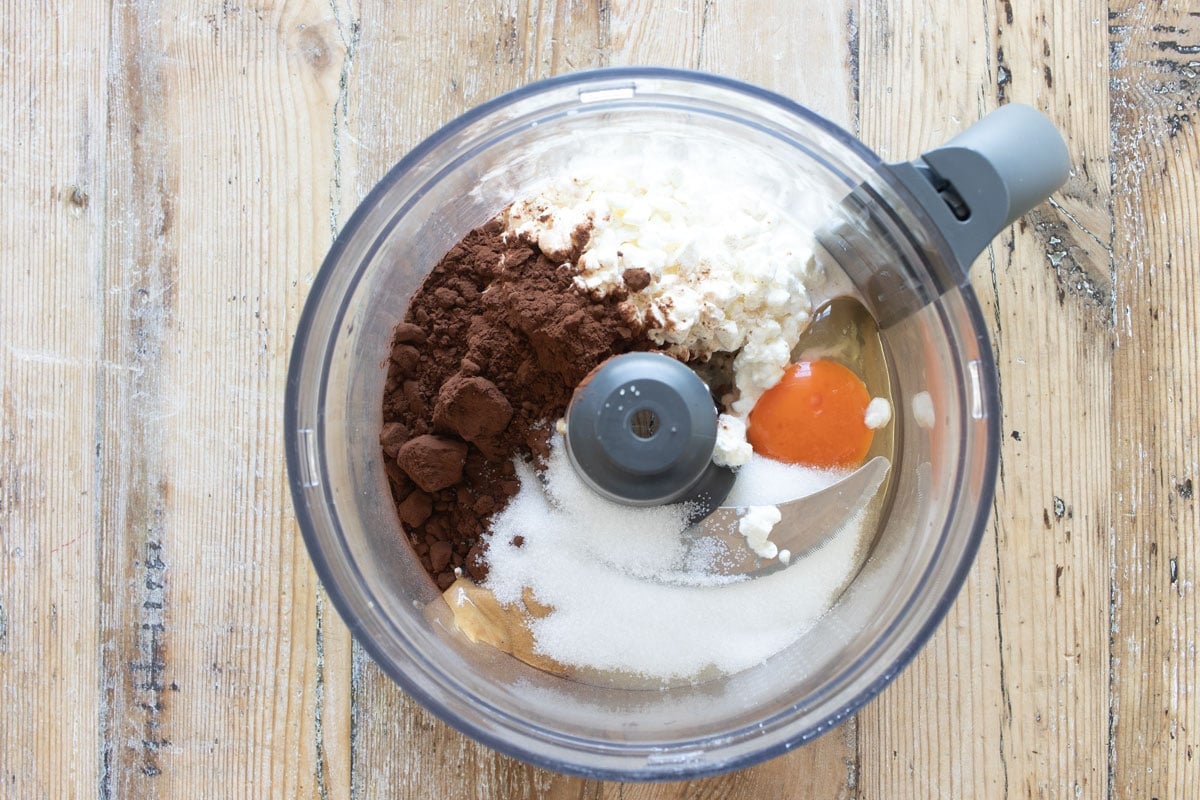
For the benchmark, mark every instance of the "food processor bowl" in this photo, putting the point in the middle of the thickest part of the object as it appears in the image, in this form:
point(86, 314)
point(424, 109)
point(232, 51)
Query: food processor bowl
point(946, 413)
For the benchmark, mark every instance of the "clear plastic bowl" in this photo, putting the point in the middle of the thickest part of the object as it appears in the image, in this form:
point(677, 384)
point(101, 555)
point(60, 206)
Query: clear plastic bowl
point(942, 482)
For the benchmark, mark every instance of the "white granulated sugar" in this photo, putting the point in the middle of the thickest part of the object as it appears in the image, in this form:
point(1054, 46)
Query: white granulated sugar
point(629, 591)
point(879, 413)
point(767, 482)
point(762, 484)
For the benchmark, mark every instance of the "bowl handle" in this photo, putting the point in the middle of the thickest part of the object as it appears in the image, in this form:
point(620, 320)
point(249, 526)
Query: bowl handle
point(986, 177)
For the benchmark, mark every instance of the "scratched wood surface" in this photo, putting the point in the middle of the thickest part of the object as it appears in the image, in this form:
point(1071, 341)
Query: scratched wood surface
point(172, 173)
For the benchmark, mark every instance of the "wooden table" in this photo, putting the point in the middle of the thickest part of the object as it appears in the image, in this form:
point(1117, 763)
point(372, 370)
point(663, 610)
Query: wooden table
point(171, 175)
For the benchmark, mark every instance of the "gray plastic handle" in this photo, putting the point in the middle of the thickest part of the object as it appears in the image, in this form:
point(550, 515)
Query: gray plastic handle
point(986, 177)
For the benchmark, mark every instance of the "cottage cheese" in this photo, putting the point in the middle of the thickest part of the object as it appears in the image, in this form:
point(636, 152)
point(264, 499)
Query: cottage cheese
point(731, 449)
point(726, 272)
point(922, 409)
point(756, 524)
point(879, 413)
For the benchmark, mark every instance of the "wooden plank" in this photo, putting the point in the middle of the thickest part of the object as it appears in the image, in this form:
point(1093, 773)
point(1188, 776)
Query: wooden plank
point(809, 55)
point(220, 130)
point(401, 750)
point(1054, 509)
point(909, 746)
point(52, 148)
point(1156, 430)
point(1023, 652)
point(334, 649)
point(660, 34)
point(462, 60)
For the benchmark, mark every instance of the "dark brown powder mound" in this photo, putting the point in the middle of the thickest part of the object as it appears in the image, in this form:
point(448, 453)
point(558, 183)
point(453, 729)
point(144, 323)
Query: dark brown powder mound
point(491, 349)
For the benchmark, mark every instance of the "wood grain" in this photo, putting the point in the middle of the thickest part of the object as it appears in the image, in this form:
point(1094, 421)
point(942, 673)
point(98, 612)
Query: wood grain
point(52, 163)
point(1054, 508)
point(909, 747)
point(400, 750)
point(171, 176)
point(811, 57)
point(1032, 680)
point(1156, 428)
point(207, 598)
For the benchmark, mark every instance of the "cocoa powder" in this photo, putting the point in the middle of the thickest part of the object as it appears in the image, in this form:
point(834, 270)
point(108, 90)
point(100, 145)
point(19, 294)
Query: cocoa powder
point(490, 350)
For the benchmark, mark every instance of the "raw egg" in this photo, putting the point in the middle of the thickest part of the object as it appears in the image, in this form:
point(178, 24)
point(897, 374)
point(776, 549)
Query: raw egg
point(814, 416)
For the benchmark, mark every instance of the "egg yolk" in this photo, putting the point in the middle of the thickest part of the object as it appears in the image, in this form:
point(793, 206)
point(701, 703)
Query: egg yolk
point(814, 416)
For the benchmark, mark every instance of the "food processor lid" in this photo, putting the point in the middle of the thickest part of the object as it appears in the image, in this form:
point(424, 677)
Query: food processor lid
point(641, 430)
